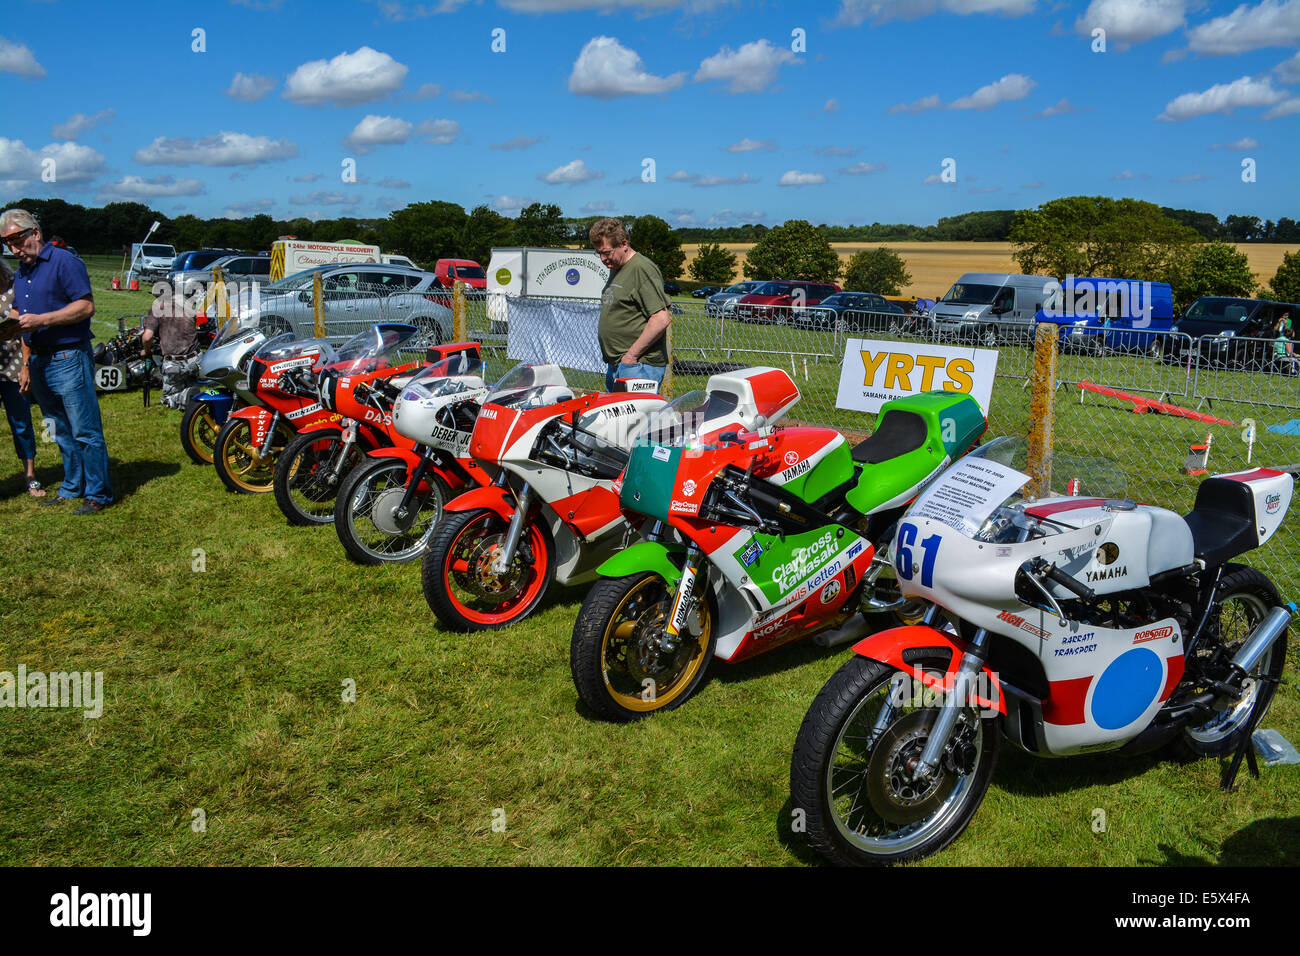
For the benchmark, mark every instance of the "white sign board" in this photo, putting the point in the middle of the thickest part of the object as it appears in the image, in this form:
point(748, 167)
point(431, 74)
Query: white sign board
point(299, 254)
point(966, 494)
point(560, 273)
point(876, 372)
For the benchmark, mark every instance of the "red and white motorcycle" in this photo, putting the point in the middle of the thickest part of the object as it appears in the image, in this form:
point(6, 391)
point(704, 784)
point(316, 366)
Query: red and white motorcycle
point(1067, 625)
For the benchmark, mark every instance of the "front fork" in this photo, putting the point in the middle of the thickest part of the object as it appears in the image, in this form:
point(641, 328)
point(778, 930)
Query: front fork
point(684, 600)
point(349, 439)
point(506, 556)
point(417, 475)
point(265, 450)
point(956, 697)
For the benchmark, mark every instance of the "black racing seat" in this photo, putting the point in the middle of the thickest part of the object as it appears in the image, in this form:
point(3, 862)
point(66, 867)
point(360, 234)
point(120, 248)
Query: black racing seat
point(1222, 521)
point(900, 431)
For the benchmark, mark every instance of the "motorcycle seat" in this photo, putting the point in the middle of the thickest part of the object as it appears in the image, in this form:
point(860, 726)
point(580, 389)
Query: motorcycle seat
point(900, 431)
point(1222, 520)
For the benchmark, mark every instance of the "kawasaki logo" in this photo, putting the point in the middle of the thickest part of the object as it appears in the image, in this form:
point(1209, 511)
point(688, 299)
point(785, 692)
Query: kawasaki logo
point(803, 560)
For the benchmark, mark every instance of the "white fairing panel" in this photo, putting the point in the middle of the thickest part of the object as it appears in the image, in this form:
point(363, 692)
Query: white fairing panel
point(1271, 491)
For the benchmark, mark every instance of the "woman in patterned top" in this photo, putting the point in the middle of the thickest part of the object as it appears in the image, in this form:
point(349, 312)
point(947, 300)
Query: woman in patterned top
point(18, 407)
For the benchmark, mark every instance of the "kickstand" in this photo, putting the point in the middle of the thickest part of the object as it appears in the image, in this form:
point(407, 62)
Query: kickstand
point(1228, 781)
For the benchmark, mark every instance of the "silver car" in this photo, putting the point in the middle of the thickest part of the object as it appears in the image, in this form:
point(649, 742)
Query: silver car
point(724, 302)
point(234, 268)
point(354, 297)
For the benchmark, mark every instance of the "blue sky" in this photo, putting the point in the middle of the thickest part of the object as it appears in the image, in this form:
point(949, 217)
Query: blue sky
point(836, 112)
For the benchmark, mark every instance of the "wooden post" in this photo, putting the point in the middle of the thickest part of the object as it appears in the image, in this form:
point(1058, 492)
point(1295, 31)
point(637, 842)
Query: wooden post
point(1042, 385)
point(318, 306)
point(458, 312)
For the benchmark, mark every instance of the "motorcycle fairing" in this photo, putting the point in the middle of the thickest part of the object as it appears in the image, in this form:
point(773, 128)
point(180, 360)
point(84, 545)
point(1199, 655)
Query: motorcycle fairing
point(490, 497)
point(259, 420)
point(1238, 511)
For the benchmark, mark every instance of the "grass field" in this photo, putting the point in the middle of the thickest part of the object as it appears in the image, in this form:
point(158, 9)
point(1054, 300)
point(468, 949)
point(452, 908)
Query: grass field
point(935, 266)
point(228, 639)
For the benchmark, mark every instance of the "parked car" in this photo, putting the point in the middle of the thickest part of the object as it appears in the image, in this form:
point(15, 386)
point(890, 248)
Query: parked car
point(1102, 315)
point(992, 306)
point(467, 271)
point(152, 260)
point(194, 259)
point(1214, 321)
point(780, 300)
point(237, 268)
point(672, 288)
point(354, 297)
point(724, 303)
point(857, 312)
point(704, 291)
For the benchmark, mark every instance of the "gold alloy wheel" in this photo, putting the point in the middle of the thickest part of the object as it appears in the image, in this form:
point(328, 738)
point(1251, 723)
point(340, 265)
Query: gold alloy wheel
point(243, 466)
point(638, 675)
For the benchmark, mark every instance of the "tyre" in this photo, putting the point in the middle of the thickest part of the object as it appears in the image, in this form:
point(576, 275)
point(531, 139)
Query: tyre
point(366, 519)
point(851, 778)
point(457, 576)
point(308, 473)
point(237, 462)
point(1248, 596)
point(430, 332)
point(620, 668)
point(199, 432)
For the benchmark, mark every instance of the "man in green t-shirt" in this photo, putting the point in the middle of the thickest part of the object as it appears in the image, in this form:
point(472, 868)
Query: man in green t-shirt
point(634, 311)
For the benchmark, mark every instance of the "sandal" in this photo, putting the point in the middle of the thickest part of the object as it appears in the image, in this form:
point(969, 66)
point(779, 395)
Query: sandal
point(34, 489)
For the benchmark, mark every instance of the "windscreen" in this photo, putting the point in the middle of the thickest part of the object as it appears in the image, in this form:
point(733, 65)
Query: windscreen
point(971, 293)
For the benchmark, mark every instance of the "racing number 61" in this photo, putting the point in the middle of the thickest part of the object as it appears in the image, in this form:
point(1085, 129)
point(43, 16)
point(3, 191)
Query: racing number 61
point(903, 561)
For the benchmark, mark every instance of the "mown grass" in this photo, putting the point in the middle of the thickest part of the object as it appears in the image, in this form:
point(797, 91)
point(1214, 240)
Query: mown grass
point(224, 692)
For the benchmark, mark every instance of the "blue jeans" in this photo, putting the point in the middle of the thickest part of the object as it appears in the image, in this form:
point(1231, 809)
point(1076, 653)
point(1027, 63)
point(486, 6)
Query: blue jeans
point(18, 409)
point(614, 372)
point(63, 384)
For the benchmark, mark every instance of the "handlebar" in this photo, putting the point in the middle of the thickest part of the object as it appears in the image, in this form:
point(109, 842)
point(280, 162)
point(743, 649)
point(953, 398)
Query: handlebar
point(1057, 576)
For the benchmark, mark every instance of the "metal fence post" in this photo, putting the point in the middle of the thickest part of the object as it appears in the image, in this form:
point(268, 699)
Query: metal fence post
point(1041, 408)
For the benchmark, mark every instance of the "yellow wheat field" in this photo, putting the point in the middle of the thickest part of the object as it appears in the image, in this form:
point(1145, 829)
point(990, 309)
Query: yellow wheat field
point(935, 266)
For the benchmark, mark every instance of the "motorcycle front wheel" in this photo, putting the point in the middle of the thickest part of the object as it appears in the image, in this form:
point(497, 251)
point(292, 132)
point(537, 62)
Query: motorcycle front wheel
point(461, 585)
point(237, 462)
point(199, 432)
point(366, 516)
point(850, 773)
point(621, 667)
point(307, 475)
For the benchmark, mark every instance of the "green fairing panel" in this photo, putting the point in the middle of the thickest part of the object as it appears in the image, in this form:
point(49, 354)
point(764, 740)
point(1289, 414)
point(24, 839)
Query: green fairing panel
point(953, 423)
point(827, 475)
point(645, 556)
point(649, 479)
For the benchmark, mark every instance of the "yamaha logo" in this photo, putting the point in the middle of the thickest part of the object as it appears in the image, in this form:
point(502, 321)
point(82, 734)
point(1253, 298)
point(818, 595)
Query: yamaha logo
point(791, 457)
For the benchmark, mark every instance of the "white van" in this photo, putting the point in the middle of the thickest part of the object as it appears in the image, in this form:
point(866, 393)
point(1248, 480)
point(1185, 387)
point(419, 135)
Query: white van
point(992, 306)
point(152, 260)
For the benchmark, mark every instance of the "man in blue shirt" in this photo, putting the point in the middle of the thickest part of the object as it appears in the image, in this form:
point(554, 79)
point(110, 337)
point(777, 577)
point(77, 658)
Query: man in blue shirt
point(53, 303)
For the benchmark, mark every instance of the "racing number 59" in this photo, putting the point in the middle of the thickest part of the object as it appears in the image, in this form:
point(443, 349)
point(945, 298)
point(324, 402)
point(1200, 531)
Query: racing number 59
point(903, 561)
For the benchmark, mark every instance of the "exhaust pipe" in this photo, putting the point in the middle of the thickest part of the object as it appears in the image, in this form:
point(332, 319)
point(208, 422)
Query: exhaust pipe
point(1262, 638)
point(850, 630)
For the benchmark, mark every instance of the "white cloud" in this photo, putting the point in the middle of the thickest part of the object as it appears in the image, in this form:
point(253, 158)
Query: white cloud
point(932, 180)
point(323, 197)
point(72, 162)
point(518, 142)
point(397, 12)
point(748, 145)
point(1126, 174)
point(1128, 22)
point(1035, 184)
point(510, 205)
point(392, 182)
point(729, 217)
point(79, 123)
point(1288, 71)
point(793, 177)
point(375, 131)
point(1288, 108)
point(224, 149)
point(831, 106)
point(1193, 178)
point(427, 91)
point(682, 176)
point(606, 69)
point(856, 12)
point(836, 150)
point(439, 132)
point(250, 87)
point(1013, 86)
point(471, 96)
point(238, 210)
point(1270, 23)
point(1245, 143)
point(346, 80)
point(1223, 98)
point(984, 189)
point(862, 169)
point(918, 106)
point(16, 58)
point(571, 173)
point(594, 208)
point(751, 69)
point(136, 187)
point(742, 180)
point(307, 178)
point(1062, 107)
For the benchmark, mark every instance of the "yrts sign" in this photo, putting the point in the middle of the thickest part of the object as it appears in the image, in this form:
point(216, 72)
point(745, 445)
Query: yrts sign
point(876, 372)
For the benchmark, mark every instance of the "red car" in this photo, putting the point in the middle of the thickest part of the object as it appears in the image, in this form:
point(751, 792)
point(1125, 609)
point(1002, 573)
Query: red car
point(466, 270)
point(779, 300)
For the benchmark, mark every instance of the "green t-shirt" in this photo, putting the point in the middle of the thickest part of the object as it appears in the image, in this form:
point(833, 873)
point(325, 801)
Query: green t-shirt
point(633, 294)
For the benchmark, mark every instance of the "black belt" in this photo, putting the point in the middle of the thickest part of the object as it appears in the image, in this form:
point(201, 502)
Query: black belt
point(38, 350)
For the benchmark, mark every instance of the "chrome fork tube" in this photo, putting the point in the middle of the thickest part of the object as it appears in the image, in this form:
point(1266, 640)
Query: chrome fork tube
point(270, 434)
point(507, 554)
point(941, 733)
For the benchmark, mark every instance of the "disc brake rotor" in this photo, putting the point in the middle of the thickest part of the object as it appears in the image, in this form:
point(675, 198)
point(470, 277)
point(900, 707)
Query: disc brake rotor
point(894, 795)
point(384, 511)
point(482, 581)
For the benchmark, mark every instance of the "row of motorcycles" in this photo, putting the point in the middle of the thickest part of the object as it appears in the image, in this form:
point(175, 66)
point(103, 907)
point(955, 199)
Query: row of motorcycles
point(705, 528)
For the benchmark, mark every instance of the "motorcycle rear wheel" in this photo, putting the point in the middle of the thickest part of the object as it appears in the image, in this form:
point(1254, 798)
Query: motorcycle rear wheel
point(617, 668)
point(1247, 598)
point(371, 536)
point(199, 430)
point(302, 490)
point(459, 584)
point(861, 807)
point(236, 460)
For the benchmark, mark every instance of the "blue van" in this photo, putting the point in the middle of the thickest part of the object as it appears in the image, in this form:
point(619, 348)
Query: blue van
point(1099, 315)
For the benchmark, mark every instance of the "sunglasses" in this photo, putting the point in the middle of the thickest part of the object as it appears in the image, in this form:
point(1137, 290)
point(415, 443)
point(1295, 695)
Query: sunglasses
point(16, 239)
